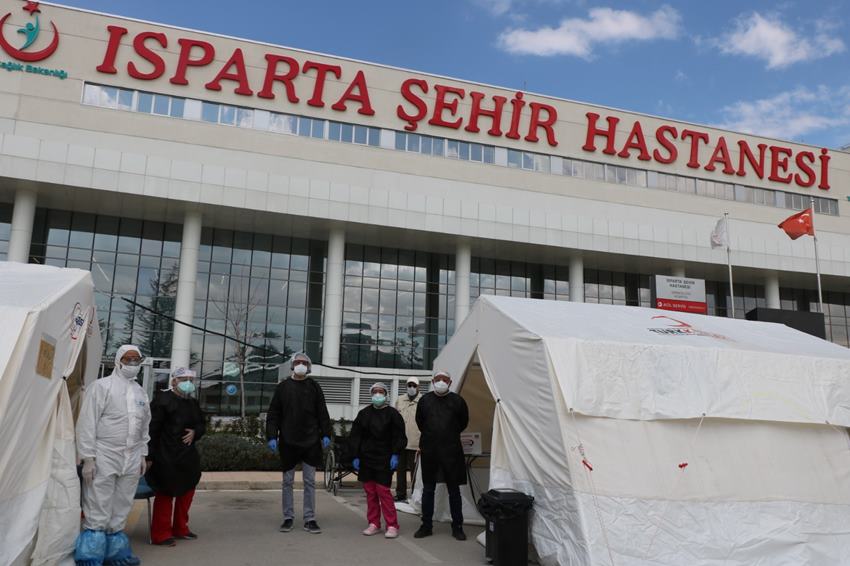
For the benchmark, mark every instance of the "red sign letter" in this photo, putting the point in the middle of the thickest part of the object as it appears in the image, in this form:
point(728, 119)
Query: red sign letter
point(536, 122)
point(801, 160)
point(666, 143)
point(495, 114)
point(286, 78)
point(115, 35)
point(721, 155)
point(185, 60)
point(779, 164)
point(148, 55)
point(593, 131)
point(322, 71)
point(421, 107)
point(696, 137)
point(362, 96)
point(240, 75)
point(824, 169)
point(440, 104)
point(745, 152)
point(635, 141)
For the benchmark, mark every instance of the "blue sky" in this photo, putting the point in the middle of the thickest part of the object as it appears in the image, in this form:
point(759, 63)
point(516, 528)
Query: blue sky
point(776, 68)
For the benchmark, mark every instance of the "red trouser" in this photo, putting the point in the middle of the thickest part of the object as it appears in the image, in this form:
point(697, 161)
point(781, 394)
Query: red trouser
point(162, 527)
point(380, 498)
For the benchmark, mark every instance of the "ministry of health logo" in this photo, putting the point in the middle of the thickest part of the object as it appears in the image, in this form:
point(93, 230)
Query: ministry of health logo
point(30, 33)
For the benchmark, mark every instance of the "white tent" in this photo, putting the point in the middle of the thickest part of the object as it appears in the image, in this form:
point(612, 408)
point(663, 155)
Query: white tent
point(50, 346)
point(656, 438)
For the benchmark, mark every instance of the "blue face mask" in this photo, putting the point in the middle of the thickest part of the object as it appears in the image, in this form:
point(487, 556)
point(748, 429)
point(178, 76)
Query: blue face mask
point(186, 387)
point(378, 400)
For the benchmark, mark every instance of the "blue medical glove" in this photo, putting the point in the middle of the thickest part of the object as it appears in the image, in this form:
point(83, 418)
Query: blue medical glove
point(326, 442)
point(272, 444)
point(394, 461)
point(356, 464)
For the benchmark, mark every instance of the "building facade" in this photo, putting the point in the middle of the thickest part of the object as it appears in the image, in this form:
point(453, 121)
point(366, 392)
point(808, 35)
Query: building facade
point(279, 200)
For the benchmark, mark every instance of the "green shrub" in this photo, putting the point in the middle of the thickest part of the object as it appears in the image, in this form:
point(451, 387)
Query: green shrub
point(224, 452)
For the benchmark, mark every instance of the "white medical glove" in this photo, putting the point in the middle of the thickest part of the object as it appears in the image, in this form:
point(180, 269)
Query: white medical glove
point(89, 470)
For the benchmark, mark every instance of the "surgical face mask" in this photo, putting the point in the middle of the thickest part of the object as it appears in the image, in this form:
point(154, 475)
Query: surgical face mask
point(378, 400)
point(441, 387)
point(129, 370)
point(301, 370)
point(412, 391)
point(186, 387)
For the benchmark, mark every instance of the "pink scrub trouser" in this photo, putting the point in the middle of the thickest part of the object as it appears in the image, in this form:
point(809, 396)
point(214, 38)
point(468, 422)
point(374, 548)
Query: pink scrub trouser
point(379, 498)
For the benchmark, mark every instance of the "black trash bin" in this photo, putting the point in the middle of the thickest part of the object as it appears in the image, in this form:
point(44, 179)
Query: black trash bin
point(506, 514)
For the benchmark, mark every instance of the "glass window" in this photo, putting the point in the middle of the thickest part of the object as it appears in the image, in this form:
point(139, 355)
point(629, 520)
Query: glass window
point(209, 112)
point(178, 106)
point(91, 95)
point(125, 99)
point(318, 128)
point(347, 133)
point(514, 158)
point(400, 141)
point(108, 97)
point(427, 145)
point(439, 147)
point(161, 104)
point(244, 118)
point(489, 154)
point(228, 115)
point(283, 123)
point(374, 137)
point(476, 152)
point(413, 142)
point(452, 149)
point(361, 134)
point(334, 131)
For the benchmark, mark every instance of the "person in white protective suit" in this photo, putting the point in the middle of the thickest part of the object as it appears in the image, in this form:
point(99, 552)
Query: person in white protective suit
point(112, 442)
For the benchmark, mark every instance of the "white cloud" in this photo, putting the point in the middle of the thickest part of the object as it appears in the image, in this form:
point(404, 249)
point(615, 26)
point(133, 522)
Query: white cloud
point(577, 37)
point(495, 7)
point(790, 115)
point(510, 7)
point(766, 37)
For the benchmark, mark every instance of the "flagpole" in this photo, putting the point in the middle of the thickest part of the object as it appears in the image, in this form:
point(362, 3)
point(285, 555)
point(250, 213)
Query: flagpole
point(817, 261)
point(729, 262)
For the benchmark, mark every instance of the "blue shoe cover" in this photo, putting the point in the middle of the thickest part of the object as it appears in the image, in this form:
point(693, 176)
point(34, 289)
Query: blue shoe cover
point(90, 549)
point(118, 551)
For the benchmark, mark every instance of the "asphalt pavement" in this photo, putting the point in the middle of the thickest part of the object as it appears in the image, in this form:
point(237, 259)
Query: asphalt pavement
point(241, 528)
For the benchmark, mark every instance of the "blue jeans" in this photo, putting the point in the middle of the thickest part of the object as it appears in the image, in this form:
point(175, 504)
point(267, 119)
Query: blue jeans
point(308, 473)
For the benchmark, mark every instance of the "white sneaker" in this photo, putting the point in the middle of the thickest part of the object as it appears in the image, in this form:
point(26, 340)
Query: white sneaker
point(371, 530)
point(392, 532)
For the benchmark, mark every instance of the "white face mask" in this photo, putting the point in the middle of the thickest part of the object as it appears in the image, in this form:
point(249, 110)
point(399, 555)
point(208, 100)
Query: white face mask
point(412, 391)
point(301, 370)
point(127, 371)
point(441, 387)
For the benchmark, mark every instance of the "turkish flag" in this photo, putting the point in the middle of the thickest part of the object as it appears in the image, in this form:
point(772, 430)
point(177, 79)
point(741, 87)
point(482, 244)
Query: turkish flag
point(799, 224)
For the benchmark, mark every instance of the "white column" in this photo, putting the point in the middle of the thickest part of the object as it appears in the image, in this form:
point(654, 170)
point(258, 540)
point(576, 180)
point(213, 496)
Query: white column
point(576, 278)
point(333, 297)
point(771, 291)
point(184, 308)
point(679, 270)
point(463, 266)
point(23, 216)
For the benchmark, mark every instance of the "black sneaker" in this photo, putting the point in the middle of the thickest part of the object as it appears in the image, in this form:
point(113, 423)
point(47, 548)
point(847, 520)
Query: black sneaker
point(286, 526)
point(459, 534)
point(188, 536)
point(423, 532)
point(312, 527)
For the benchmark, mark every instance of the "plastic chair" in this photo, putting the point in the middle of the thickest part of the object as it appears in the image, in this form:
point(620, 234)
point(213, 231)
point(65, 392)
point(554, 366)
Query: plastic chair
point(144, 491)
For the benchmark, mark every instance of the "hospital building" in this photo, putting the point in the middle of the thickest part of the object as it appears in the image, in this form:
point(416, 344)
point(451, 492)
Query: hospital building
point(279, 200)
